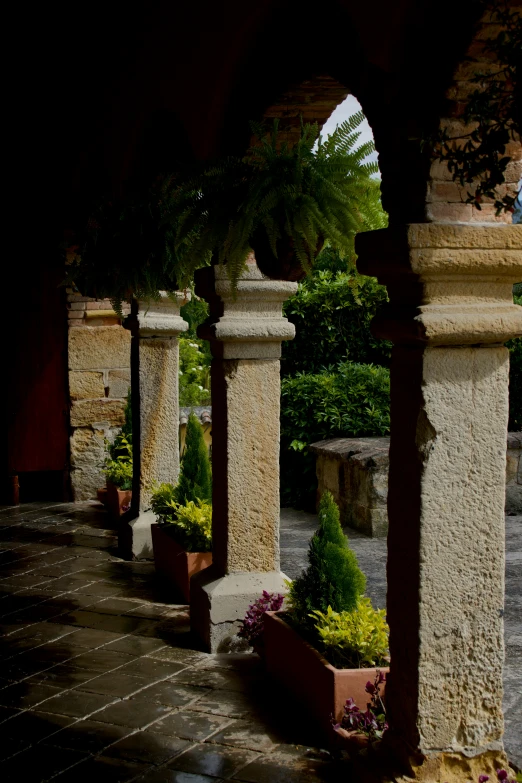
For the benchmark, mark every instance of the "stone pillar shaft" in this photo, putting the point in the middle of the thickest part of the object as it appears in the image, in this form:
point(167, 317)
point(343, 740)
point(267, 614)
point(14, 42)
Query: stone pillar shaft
point(156, 410)
point(246, 347)
point(451, 308)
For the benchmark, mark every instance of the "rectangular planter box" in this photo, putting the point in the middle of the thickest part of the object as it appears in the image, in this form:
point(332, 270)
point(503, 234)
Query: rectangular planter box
point(118, 500)
point(174, 565)
point(320, 687)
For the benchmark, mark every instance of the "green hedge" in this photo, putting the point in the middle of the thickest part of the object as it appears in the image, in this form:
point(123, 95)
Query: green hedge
point(332, 312)
point(353, 400)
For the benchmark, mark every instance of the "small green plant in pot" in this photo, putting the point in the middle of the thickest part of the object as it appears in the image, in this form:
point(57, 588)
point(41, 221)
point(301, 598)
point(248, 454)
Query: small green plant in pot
point(118, 467)
point(182, 539)
point(330, 641)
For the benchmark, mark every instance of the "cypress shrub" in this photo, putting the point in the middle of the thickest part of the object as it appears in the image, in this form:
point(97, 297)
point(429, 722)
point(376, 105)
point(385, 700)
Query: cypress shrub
point(333, 577)
point(195, 481)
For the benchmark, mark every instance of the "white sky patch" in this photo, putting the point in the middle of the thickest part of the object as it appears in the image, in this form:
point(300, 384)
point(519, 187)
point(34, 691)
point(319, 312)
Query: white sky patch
point(345, 109)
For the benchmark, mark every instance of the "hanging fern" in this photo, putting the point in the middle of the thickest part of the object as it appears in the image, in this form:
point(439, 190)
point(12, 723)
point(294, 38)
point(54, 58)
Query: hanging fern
point(283, 202)
point(280, 198)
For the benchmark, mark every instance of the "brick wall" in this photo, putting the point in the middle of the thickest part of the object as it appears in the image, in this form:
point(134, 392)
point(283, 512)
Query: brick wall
point(99, 378)
point(445, 198)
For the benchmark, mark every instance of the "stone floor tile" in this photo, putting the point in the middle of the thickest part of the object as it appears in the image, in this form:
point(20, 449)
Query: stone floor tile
point(166, 775)
point(216, 678)
point(134, 712)
point(103, 769)
point(11, 747)
point(115, 606)
point(149, 667)
point(41, 760)
point(88, 735)
point(289, 764)
point(62, 676)
point(190, 725)
point(100, 660)
point(77, 703)
point(114, 684)
point(149, 747)
point(135, 645)
point(229, 703)
point(250, 735)
point(213, 760)
point(173, 695)
point(91, 638)
point(34, 725)
point(243, 663)
point(22, 695)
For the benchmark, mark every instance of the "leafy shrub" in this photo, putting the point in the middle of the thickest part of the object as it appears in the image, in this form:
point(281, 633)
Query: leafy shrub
point(195, 481)
point(356, 639)
point(332, 312)
point(352, 401)
point(252, 624)
point(333, 577)
point(119, 470)
point(194, 373)
point(189, 524)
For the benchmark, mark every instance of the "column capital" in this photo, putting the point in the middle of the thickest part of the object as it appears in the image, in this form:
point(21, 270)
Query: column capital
point(252, 325)
point(161, 318)
point(448, 284)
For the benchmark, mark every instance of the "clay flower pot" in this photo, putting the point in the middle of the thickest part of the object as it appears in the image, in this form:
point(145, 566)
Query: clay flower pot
point(174, 565)
point(101, 494)
point(321, 688)
point(118, 500)
point(286, 266)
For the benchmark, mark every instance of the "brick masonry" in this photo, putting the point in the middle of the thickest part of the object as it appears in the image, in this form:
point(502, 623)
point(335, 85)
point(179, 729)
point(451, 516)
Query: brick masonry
point(445, 199)
point(99, 379)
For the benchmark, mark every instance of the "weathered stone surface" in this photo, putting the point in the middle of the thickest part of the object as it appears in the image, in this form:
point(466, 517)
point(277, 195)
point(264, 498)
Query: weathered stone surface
point(86, 385)
point(99, 348)
point(246, 343)
point(119, 383)
point(449, 411)
point(87, 412)
point(87, 447)
point(159, 413)
point(355, 471)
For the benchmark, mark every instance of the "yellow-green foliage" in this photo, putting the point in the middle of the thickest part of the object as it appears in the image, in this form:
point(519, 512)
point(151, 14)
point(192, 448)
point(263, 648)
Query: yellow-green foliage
point(355, 639)
point(189, 524)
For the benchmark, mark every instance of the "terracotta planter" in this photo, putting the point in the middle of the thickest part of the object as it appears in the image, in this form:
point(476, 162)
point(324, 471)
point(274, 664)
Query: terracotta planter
point(174, 565)
point(118, 500)
point(320, 687)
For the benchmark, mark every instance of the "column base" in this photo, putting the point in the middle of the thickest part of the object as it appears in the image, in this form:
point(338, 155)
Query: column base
point(390, 760)
point(219, 603)
point(135, 537)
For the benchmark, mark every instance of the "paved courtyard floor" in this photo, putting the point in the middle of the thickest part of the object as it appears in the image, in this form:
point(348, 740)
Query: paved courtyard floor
point(99, 678)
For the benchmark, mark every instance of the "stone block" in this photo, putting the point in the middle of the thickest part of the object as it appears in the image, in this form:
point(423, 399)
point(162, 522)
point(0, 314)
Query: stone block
point(98, 348)
point(355, 471)
point(87, 447)
point(119, 382)
point(87, 412)
point(441, 212)
point(86, 385)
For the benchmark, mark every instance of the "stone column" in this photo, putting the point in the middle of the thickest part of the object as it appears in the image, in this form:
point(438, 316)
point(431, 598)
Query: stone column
point(155, 404)
point(246, 346)
point(450, 311)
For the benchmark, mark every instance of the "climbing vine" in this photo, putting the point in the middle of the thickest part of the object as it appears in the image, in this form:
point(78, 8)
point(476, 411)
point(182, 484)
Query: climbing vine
point(493, 112)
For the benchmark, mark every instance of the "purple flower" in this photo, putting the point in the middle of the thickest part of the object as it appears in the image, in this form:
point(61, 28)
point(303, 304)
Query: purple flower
point(370, 688)
point(483, 778)
point(502, 774)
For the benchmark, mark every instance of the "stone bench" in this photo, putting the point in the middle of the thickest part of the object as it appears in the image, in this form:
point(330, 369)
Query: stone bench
point(355, 470)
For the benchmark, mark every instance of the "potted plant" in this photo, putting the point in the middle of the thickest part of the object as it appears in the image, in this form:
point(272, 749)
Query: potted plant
point(282, 201)
point(182, 538)
point(118, 468)
point(118, 473)
point(330, 641)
